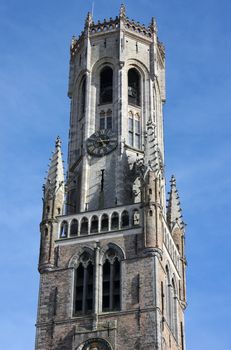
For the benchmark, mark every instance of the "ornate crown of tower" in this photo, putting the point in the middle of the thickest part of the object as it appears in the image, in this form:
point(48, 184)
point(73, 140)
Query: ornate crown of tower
point(112, 260)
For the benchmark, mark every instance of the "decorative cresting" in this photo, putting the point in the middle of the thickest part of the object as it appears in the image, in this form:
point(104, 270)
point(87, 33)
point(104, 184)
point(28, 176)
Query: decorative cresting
point(119, 22)
point(95, 344)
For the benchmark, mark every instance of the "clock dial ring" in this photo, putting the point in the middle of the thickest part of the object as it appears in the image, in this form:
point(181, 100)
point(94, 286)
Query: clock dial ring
point(101, 143)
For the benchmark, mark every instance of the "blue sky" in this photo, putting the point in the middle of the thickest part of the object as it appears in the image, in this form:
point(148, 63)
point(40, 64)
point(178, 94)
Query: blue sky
point(34, 109)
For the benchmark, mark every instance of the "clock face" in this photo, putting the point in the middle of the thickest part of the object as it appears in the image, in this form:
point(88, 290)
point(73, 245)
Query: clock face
point(101, 142)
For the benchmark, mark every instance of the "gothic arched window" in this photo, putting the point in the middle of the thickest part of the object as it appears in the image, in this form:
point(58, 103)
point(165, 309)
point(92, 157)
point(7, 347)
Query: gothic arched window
point(133, 87)
point(84, 281)
point(111, 281)
point(64, 229)
point(106, 83)
point(74, 228)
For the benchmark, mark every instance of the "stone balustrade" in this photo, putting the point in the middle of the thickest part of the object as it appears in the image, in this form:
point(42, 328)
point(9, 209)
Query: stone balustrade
point(100, 221)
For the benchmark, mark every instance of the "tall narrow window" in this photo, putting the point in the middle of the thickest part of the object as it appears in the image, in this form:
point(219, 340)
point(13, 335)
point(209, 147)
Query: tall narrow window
point(174, 311)
point(130, 129)
point(115, 221)
point(137, 131)
point(125, 219)
point(64, 230)
point(83, 98)
point(105, 119)
point(94, 224)
point(106, 82)
point(133, 87)
point(74, 228)
point(84, 226)
point(84, 285)
point(134, 130)
point(111, 281)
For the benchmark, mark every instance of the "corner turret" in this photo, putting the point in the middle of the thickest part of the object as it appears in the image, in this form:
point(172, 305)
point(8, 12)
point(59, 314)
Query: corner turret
point(53, 202)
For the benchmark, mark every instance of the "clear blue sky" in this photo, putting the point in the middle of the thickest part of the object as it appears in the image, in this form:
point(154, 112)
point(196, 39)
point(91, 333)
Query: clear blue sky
point(34, 109)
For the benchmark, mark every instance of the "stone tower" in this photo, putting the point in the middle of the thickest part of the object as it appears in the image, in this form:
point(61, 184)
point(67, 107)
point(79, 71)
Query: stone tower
point(112, 261)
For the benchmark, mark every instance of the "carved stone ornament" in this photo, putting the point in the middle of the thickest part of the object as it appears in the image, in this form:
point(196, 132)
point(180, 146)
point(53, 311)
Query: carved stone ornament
point(95, 344)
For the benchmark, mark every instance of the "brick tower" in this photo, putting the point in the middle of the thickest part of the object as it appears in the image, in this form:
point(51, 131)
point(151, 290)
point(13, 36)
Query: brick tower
point(112, 262)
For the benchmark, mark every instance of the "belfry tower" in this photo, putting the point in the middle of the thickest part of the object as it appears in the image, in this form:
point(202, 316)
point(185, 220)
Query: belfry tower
point(112, 261)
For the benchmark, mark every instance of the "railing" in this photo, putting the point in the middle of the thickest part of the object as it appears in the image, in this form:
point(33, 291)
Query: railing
point(100, 221)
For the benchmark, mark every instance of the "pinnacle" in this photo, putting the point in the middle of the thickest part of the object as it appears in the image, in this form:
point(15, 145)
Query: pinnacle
point(55, 176)
point(174, 209)
point(152, 157)
point(122, 10)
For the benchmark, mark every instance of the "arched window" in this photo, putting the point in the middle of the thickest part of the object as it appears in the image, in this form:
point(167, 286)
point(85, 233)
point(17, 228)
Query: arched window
point(111, 281)
point(115, 221)
point(74, 228)
point(104, 223)
point(124, 219)
point(64, 230)
point(135, 217)
point(83, 98)
point(106, 83)
point(84, 226)
point(133, 87)
point(84, 285)
point(94, 224)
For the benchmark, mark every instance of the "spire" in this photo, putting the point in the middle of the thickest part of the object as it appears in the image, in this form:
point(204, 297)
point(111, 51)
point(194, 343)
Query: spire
point(55, 177)
point(174, 209)
point(122, 11)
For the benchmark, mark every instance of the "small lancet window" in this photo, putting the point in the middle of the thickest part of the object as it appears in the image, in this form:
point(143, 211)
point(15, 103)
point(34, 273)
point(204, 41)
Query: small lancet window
point(94, 224)
point(74, 228)
point(84, 226)
point(84, 285)
point(115, 221)
point(133, 87)
point(83, 97)
point(64, 230)
point(124, 219)
point(111, 281)
point(106, 83)
point(104, 223)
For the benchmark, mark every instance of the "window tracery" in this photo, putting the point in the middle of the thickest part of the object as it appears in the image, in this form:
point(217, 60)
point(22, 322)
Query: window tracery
point(84, 285)
point(111, 281)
